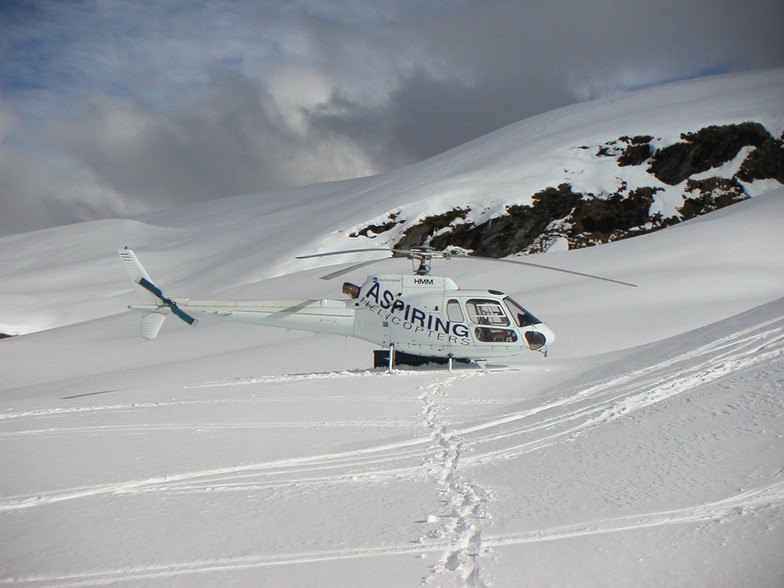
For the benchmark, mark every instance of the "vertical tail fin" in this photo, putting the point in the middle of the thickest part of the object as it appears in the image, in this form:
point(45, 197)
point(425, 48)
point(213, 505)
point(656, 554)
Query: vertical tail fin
point(135, 270)
point(151, 321)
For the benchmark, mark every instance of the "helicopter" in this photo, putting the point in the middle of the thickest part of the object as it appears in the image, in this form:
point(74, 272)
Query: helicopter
point(416, 318)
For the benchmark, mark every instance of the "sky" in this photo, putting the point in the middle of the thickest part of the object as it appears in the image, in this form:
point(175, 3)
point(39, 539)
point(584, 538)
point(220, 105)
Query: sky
point(116, 108)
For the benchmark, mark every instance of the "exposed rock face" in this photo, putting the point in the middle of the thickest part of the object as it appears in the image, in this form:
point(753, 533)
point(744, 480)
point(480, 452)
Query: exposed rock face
point(637, 151)
point(713, 193)
point(376, 229)
point(583, 219)
point(419, 233)
point(767, 161)
point(515, 231)
point(707, 148)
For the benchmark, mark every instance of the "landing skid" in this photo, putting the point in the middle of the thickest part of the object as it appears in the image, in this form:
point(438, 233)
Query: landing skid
point(381, 359)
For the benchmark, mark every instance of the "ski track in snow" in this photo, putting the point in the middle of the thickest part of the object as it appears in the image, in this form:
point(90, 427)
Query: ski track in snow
point(507, 437)
point(200, 427)
point(446, 454)
point(61, 411)
point(722, 510)
point(606, 401)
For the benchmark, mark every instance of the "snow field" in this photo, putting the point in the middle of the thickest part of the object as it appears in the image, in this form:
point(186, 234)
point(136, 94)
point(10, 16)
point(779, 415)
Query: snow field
point(646, 450)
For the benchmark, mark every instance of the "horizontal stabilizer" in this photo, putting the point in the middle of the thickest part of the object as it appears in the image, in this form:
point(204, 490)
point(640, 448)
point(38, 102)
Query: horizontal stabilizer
point(151, 324)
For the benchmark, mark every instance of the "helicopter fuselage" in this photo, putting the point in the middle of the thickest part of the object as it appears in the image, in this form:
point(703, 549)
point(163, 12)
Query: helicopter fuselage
point(419, 315)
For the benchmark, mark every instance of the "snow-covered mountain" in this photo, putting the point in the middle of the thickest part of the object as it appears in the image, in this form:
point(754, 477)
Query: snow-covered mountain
point(553, 181)
point(646, 449)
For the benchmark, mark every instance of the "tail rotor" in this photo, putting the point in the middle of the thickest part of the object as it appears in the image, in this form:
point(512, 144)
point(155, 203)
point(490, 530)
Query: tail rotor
point(154, 303)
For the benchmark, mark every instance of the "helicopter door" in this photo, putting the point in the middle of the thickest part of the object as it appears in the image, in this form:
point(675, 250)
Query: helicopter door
point(490, 322)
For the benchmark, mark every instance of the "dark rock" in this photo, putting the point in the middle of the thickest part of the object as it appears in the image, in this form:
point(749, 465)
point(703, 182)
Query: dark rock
point(504, 235)
point(418, 234)
point(602, 217)
point(707, 148)
point(606, 150)
point(635, 155)
point(638, 140)
point(377, 229)
point(714, 193)
point(766, 161)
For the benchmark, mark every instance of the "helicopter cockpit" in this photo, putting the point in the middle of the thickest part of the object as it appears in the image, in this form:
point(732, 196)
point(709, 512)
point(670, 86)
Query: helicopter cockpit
point(494, 320)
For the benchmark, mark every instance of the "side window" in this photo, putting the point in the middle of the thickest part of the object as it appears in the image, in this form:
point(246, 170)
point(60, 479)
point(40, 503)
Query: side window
point(487, 312)
point(490, 335)
point(453, 311)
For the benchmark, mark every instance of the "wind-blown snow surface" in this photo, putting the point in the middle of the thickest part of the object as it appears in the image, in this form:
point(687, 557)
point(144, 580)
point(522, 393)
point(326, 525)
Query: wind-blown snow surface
point(646, 450)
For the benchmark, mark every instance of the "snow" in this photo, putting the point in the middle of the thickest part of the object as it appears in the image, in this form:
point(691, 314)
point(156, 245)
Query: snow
point(645, 450)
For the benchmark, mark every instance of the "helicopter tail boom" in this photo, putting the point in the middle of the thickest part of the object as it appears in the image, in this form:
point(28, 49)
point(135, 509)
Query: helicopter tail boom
point(317, 316)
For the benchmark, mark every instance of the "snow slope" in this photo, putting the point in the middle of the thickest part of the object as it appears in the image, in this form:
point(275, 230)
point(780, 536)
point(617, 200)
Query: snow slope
point(645, 450)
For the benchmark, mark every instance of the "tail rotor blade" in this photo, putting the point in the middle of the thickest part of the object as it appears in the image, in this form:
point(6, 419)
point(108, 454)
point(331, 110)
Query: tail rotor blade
point(148, 285)
point(168, 302)
point(182, 315)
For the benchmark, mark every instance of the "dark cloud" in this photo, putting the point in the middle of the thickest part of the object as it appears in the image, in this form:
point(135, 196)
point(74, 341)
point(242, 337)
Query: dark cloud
point(109, 108)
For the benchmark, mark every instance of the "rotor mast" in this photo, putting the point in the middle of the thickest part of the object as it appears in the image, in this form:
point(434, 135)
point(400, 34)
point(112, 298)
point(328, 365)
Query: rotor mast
point(424, 255)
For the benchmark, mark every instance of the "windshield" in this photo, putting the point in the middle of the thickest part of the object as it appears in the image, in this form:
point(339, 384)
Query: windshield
point(522, 317)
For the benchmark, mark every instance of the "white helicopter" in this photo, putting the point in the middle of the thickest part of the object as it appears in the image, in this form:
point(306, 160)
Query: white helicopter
point(417, 318)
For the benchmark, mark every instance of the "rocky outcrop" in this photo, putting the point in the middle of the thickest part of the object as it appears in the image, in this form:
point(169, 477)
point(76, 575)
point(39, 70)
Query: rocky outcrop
point(765, 162)
point(561, 214)
point(710, 194)
point(425, 229)
point(706, 149)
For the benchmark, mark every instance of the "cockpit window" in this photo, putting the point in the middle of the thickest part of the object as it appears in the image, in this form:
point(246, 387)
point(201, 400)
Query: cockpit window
point(487, 312)
point(522, 317)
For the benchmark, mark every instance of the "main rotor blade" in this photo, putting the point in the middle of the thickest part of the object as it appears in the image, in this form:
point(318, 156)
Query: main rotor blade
point(353, 267)
point(540, 266)
point(378, 249)
point(430, 254)
point(422, 251)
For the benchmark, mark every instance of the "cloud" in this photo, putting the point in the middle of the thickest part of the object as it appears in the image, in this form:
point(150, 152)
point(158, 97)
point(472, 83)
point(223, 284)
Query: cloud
point(117, 156)
point(110, 108)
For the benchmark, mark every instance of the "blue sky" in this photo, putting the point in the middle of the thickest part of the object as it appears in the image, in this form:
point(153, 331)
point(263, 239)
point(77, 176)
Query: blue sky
point(120, 107)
